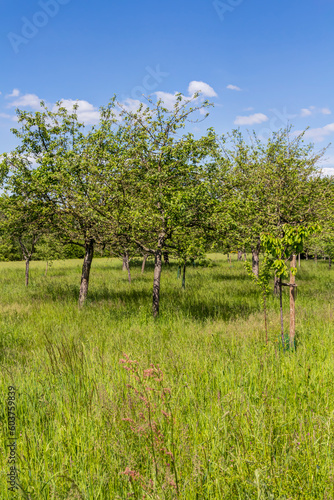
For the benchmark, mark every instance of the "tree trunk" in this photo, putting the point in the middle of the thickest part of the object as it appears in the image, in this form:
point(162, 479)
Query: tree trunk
point(144, 263)
point(276, 286)
point(299, 259)
point(124, 267)
point(245, 256)
point(306, 256)
point(27, 271)
point(255, 261)
point(89, 252)
point(156, 283)
point(166, 258)
point(281, 311)
point(27, 255)
point(184, 276)
point(265, 315)
point(292, 303)
point(46, 268)
point(239, 255)
point(127, 263)
point(329, 262)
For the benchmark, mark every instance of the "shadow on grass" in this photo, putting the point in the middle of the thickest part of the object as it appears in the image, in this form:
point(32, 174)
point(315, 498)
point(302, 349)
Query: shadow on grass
point(230, 277)
point(126, 301)
point(219, 311)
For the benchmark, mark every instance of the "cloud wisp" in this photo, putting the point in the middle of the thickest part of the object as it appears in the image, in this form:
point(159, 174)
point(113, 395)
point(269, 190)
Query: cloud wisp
point(194, 87)
point(254, 119)
point(318, 134)
point(89, 114)
point(233, 87)
point(312, 110)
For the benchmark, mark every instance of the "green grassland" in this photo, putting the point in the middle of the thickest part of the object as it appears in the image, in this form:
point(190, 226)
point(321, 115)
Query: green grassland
point(199, 408)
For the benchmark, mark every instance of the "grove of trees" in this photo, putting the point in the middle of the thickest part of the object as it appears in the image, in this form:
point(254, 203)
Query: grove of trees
point(140, 184)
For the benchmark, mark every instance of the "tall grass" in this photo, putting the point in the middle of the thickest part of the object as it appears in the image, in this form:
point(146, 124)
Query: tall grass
point(114, 405)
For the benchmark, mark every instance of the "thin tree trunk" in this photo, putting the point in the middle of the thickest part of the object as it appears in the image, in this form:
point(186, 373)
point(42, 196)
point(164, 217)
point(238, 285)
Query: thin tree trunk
point(144, 263)
point(255, 261)
point(127, 261)
point(265, 316)
point(306, 256)
point(245, 256)
point(27, 255)
point(239, 255)
point(46, 268)
point(27, 271)
point(166, 258)
point(276, 286)
point(89, 253)
point(156, 283)
point(281, 311)
point(184, 276)
point(299, 259)
point(292, 303)
point(124, 267)
point(329, 262)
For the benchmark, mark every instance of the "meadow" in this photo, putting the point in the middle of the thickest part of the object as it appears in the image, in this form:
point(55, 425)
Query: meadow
point(111, 404)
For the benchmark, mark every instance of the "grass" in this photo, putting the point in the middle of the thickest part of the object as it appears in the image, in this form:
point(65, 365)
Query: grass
point(113, 405)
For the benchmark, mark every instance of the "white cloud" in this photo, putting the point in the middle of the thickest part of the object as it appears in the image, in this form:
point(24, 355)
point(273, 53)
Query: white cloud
point(169, 99)
point(233, 87)
point(130, 105)
point(328, 161)
point(26, 101)
point(251, 119)
point(201, 87)
point(328, 171)
point(318, 134)
point(326, 111)
point(305, 112)
point(15, 93)
point(312, 110)
point(87, 113)
point(8, 117)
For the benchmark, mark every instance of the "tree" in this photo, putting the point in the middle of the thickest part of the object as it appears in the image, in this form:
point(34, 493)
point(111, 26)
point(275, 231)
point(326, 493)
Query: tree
point(25, 221)
point(50, 167)
point(272, 184)
point(279, 251)
point(168, 177)
point(187, 246)
point(49, 248)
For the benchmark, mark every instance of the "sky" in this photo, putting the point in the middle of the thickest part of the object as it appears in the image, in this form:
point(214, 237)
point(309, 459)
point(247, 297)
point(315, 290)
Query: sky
point(263, 64)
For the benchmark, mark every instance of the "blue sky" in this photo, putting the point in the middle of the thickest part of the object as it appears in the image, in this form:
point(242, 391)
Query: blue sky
point(262, 63)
